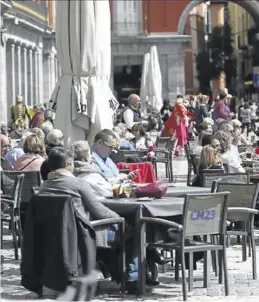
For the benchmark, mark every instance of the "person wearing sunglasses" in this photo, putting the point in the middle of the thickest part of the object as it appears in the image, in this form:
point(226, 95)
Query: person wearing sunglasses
point(104, 143)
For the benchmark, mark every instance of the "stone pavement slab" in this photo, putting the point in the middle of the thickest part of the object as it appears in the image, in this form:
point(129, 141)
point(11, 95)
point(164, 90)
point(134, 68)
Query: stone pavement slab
point(242, 287)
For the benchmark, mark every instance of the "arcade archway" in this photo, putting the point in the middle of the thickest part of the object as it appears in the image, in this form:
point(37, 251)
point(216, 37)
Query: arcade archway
point(251, 6)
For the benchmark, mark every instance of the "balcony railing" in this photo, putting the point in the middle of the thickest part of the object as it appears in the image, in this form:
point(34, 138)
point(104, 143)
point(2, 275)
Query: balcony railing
point(126, 29)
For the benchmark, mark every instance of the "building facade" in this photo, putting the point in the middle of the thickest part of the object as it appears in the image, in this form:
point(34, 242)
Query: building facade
point(29, 66)
point(241, 23)
point(136, 26)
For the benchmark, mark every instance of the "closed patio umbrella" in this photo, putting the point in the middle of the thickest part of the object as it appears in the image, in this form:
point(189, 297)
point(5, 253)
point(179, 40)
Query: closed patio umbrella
point(78, 43)
point(155, 80)
point(144, 84)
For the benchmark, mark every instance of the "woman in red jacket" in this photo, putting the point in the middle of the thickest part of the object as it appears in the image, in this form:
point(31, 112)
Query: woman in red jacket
point(176, 125)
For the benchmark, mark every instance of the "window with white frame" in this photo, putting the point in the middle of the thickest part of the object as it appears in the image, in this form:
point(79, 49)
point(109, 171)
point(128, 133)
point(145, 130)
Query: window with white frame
point(127, 17)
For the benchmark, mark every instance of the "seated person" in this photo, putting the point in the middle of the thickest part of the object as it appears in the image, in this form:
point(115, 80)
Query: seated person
point(34, 150)
point(141, 140)
point(209, 159)
point(117, 156)
point(239, 138)
point(83, 168)
point(124, 142)
point(55, 138)
point(228, 155)
point(207, 139)
point(5, 146)
point(17, 150)
point(104, 143)
point(61, 180)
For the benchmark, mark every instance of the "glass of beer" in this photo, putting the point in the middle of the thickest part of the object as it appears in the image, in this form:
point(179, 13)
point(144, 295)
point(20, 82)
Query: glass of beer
point(127, 191)
point(116, 191)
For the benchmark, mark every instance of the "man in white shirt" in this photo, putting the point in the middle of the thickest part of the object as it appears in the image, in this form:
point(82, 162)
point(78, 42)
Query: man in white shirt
point(131, 114)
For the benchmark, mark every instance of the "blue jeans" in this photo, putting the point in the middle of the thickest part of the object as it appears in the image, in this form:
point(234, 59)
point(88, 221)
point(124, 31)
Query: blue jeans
point(133, 265)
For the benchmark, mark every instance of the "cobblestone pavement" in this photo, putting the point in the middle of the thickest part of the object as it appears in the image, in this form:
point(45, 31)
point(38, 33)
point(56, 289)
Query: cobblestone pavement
point(242, 287)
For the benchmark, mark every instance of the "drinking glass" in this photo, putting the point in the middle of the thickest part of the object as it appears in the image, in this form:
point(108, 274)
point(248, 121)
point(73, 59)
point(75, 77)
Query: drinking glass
point(116, 191)
point(127, 191)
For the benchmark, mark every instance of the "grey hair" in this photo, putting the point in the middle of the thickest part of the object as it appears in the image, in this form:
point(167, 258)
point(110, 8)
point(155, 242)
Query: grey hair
point(118, 131)
point(132, 97)
point(39, 133)
point(46, 127)
point(224, 125)
point(81, 150)
point(55, 137)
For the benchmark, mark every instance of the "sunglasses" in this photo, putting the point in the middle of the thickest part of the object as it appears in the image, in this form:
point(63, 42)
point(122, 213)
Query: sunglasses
point(216, 146)
point(109, 146)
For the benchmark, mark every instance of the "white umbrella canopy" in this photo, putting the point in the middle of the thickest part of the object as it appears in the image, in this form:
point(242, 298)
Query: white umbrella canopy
point(155, 80)
point(144, 83)
point(102, 93)
point(79, 43)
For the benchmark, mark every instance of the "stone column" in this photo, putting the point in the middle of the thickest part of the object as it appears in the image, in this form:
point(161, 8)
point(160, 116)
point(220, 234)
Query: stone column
point(40, 74)
point(49, 75)
point(56, 70)
point(3, 84)
point(13, 74)
point(175, 68)
point(26, 97)
point(52, 71)
point(36, 80)
point(19, 69)
point(31, 77)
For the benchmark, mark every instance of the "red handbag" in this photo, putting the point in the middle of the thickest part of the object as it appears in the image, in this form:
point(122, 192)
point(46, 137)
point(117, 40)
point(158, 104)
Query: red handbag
point(155, 190)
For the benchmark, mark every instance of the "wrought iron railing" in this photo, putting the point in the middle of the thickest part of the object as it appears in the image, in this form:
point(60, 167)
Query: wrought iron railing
point(126, 29)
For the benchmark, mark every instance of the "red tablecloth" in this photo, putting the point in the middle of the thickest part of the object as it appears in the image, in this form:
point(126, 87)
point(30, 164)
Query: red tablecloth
point(146, 171)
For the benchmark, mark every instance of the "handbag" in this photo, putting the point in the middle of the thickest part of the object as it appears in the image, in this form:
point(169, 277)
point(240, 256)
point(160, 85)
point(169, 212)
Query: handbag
point(155, 190)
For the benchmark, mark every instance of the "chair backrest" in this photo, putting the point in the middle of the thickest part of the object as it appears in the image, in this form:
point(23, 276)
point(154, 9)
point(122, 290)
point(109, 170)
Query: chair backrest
point(162, 142)
point(59, 234)
point(239, 178)
point(195, 163)
point(205, 214)
point(242, 148)
point(31, 179)
point(172, 145)
point(131, 155)
point(242, 195)
point(188, 152)
point(17, 191)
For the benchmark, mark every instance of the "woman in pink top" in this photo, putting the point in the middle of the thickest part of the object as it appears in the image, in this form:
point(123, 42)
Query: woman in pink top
point(34, 150)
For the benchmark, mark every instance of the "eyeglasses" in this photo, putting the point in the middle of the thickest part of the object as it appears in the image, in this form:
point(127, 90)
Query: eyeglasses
point(109, 146)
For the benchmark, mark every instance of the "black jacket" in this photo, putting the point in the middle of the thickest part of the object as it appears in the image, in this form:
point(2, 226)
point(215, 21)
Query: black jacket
point(58, 244)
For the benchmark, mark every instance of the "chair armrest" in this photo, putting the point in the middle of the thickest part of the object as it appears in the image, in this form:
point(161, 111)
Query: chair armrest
point(3, 196)
point(8, 201)
point(107, 221)
point(243, 210)
point(161, 222)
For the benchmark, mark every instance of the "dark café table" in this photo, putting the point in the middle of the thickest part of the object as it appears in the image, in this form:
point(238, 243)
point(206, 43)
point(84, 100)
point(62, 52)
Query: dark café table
point(165, 207)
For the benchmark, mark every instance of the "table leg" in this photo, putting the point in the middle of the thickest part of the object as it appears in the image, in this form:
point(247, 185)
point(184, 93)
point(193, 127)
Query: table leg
point(141, 255)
